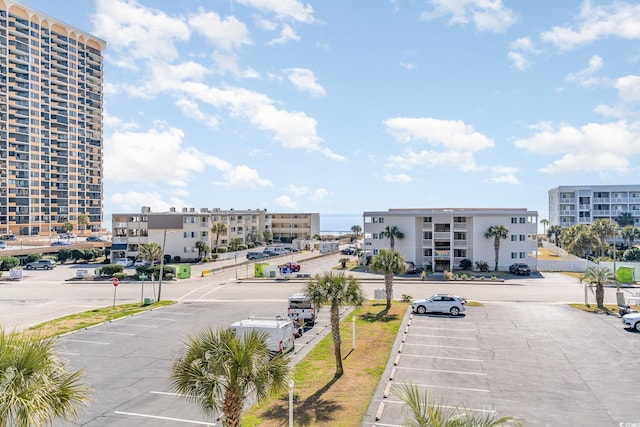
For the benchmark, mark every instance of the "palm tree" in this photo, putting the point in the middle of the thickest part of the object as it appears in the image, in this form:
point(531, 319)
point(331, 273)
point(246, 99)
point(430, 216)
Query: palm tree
point(497, 232)
point(356, 229)
point(235, 243)
point(202, 247)
point(630, 233)
point(599, 276)
point(579, 240)
point(35, 385)
point(83, 221)
point(421, 410)
point(268, 236)
point(603, 228)
point(219, 370)
point(389, 262)
point(335, 290)
point(217, 229)
point(624, 219)
point(391, 232)
point(544, 223)
point(555, 231)
point(150, 252)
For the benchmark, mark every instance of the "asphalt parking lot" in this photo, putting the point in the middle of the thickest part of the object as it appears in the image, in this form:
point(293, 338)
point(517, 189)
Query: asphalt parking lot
point(545, 364)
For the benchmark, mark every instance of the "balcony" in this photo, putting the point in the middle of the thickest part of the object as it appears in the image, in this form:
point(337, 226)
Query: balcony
point(442, 255)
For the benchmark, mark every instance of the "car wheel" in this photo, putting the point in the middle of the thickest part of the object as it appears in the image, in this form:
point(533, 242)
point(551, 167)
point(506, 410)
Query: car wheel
point(637, 326)
point(46, 267)
point(28, 267)
point(455, 311)
point(421, 309)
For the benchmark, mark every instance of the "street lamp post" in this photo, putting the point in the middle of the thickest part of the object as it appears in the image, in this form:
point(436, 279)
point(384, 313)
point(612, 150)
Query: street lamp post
point(164, 241)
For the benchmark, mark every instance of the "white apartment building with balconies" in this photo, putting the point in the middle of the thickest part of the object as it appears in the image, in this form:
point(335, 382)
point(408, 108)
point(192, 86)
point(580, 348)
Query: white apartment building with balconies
point(582, 204)
point(441, 238)
point(179, 230)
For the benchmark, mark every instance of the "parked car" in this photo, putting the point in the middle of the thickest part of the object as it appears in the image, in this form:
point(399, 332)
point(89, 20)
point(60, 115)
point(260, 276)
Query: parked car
point(348, 251)
point(411, 268)
point(60, 243)
point(127, 262)
point(66, 236)
point(8, 237)
point(520, 269)
point(45, 264)
point(439, 303)
point(631, 321)
point(95, 239)
point(3, 244)
point(141, 263)
point(293, 265)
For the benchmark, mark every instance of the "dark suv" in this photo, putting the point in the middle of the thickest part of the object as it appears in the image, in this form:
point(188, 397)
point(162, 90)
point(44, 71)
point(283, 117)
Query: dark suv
point(520, 269)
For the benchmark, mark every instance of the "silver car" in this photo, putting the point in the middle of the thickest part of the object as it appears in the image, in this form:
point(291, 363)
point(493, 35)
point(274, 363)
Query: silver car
point(440, 303)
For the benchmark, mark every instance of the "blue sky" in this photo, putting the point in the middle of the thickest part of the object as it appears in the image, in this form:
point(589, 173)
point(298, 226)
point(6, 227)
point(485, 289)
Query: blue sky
point(352, 106)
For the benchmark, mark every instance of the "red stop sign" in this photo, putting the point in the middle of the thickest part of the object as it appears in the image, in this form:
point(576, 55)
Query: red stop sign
point(115, 281)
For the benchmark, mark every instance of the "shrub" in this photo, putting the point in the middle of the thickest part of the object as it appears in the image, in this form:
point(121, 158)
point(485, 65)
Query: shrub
point(8, 262)
point(63, 255)
point(32, 257)
point(111, 269)
point(483, 266)
point(406, 298)
point(448, 275)
point(466, 264)
point(120, 276)
point(221, 250)
point(176, 258)
point(169, 276)
point(423, 275)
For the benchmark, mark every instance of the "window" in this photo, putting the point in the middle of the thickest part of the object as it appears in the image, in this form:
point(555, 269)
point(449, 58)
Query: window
point(427, 235)
point(514, 238)
point(523, 254)
point(375, 252)
point(427, 252)
point(374, 236)
point(523, 237)
point(514, 220)
point(459, 219)
point(514, 255)
point(381, 220)
point(460, 253)
point(523, 220)
point(427, 219)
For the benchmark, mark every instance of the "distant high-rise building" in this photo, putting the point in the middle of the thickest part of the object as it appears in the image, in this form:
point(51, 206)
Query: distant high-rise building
point(51, 80)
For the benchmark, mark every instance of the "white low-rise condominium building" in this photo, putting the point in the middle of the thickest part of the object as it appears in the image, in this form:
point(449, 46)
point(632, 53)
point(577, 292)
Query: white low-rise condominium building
point(582, 204)
point(441, 238)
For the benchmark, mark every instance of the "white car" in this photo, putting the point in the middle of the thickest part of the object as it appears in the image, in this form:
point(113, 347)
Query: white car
point(125, 261)
point(440, 303)
point(631, 320)
point(141, 263)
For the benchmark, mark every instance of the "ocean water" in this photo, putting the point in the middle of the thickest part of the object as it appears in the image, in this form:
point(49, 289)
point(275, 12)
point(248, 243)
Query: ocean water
point(339, 223)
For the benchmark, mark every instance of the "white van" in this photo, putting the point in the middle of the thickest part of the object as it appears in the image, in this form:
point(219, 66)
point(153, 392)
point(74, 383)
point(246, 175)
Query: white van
point(300, 308)
point(281, 332)
point(280, 250)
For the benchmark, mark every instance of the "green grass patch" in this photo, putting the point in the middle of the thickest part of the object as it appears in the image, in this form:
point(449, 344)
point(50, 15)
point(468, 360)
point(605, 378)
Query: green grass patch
point(88, 318)
point(608, 308)
point(473, 304)
point(321, 399)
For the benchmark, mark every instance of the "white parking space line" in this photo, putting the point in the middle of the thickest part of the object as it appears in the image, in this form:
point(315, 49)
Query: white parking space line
point(137, 325)
point(112, 333)
point(480, 390)
point(156, 417)
point(168, 393)
point(442, 329)
point(163, 319)
point(408, 344)
point(482, 374)
point(443, 336)
point(442, 357)
point(486, 411)
point(86, 342)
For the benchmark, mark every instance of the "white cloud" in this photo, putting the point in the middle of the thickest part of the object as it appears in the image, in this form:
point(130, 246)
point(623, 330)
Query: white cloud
point(305, 81)
point(503, 175)
point(239, 176)
point(585, 77)
point(296, 190)
point(519, 50)
point(408, 66)
point(463, 161)
point(486, 15)
point(191, 110)
point(398, 177)
point(618, 19)
point(293, 130)
point(287, 34)
point(129, 201)
point(594, 147)
point(319, 195)
point(454, 135)
point(293, 10)
point(138, 32)
point(226, 34)
point(628, 88)
point(286, 202)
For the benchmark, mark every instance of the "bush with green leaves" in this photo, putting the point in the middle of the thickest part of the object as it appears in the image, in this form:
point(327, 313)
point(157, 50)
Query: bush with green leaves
point(631, 254)
point(176, 258)
point(483, 266)
point(32, 257)
point(8, 262)
point(63, 255)
point(221, 250)
point(466, 264)
point(111, 269)
point(120, 276)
